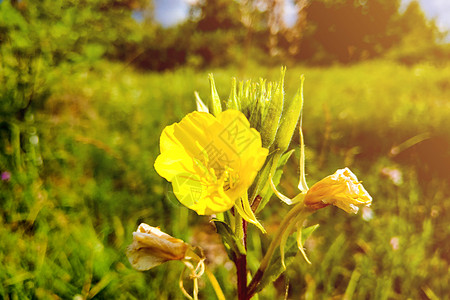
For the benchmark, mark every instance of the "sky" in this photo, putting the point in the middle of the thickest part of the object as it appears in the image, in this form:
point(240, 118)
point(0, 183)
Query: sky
point(171, 12)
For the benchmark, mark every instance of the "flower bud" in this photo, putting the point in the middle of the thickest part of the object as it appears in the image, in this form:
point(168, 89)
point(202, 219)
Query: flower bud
point(341, 189)
point(233, 102)
point(291, 114)
point(152, 247)
point(272, 117)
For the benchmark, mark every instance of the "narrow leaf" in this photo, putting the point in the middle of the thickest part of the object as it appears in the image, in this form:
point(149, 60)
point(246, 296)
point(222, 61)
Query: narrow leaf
point(275, 268)
point(290, 250)
point(282, 197)
point(284, 239)
point(302, 235)
point(266, 191)
point(302, 185)
point(215, 100)
point(233, 245)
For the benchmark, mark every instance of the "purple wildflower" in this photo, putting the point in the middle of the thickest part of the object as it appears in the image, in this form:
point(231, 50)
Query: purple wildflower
point(6, 176)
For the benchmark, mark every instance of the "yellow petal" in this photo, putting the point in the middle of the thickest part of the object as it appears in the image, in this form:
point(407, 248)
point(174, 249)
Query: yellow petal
point(341, 189)
point(192, 132)
point(172, 163)
point(210, 161)
point(238, 132)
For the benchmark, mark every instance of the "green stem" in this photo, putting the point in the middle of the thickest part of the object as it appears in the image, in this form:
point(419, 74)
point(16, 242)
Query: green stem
point(297, 209)
point(292, 214)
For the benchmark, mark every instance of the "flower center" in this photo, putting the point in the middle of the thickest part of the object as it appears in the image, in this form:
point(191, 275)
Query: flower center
point(230, 178)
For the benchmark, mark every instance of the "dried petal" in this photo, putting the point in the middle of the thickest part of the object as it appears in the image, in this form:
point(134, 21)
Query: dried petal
point(152, 247)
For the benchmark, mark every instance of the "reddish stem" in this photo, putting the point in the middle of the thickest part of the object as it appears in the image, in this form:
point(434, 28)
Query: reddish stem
point(241, 267)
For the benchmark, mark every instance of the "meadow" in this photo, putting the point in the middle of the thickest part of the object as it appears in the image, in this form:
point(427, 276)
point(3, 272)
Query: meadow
point(81, 179)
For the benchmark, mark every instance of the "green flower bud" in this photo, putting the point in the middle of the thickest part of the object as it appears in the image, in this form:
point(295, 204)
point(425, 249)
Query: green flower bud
point(243, 98)
point(272, 117)
point(233, 102)
point(289, 119)
point(259, 109)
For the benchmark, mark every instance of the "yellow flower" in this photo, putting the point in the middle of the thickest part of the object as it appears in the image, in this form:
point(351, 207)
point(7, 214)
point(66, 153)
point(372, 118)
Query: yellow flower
point(152, 247)
point(210, 161)
point(341, 189)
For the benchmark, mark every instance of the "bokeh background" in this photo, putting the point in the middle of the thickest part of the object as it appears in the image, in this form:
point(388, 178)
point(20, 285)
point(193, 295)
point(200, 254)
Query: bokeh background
point(86, 88)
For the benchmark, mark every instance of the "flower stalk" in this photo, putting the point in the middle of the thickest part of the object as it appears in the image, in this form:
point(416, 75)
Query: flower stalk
point(296, 215)
point(241, 266)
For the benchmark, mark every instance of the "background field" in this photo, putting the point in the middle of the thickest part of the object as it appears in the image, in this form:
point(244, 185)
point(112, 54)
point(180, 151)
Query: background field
point(79, 134)
point(68, 215)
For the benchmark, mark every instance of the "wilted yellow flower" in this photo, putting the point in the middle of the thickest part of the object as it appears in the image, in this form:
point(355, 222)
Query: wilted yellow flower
point(210, 161)
point(341, 189)
point(152, 247)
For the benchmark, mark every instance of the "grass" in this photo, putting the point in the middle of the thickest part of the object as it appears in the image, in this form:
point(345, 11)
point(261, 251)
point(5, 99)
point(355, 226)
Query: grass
point(68, 211)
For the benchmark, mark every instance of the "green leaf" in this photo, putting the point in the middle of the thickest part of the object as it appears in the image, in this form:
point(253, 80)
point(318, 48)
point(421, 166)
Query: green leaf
point(266, 192)
point(232, 244)
point(302, 185)
point(258, 185)
point(301, 238)
point(306, 232)
point(276, 267)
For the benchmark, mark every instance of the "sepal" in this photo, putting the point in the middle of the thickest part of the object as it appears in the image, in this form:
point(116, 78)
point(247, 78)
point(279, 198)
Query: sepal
point(215, 105)
point(232, 243)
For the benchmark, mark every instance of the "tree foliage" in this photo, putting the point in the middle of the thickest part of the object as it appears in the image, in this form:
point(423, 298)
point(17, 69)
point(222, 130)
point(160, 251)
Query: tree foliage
point(36, 36)
point(418, 37)
point(349, 30)
point(216, 33)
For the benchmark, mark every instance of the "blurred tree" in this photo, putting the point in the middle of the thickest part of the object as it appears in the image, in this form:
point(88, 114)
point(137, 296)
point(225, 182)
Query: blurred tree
point(217, 29)
point(276, 25)
point(38, 35)
point(160, 48)
point(215, 15)
point(39, 39)
point(347, 30)
point(207, 38)
point(419, 38)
